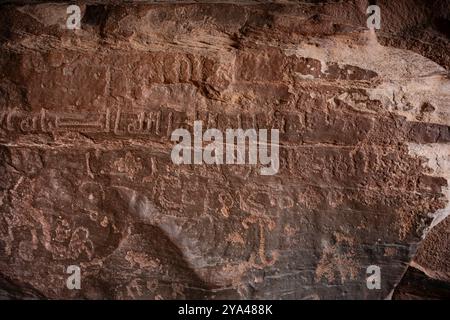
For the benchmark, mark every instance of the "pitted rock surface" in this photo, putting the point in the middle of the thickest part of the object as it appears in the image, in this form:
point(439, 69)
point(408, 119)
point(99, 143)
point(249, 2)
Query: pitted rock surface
point(87, 179)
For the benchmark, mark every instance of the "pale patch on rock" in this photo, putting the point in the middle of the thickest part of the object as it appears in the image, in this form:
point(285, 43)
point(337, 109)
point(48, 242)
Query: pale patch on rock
point(438, 160)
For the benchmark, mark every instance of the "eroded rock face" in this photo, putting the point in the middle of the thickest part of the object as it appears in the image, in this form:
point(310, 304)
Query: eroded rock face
point(87, 178)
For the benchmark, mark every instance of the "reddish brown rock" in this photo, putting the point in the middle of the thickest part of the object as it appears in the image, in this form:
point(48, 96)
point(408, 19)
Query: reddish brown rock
point(86, 174)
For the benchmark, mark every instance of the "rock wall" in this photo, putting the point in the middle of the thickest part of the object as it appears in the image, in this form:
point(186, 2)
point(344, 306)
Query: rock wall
point(86, 118)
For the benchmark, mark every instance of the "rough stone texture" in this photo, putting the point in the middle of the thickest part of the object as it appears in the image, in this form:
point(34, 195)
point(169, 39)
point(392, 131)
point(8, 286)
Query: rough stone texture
point(86, 175)
point(415, 285)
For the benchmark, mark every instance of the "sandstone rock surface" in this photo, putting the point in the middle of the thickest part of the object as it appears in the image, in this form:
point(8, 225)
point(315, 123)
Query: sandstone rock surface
point(86, 176)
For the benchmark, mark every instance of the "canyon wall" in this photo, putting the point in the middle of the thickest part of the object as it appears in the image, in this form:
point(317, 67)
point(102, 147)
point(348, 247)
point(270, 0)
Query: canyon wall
point(86, 117)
